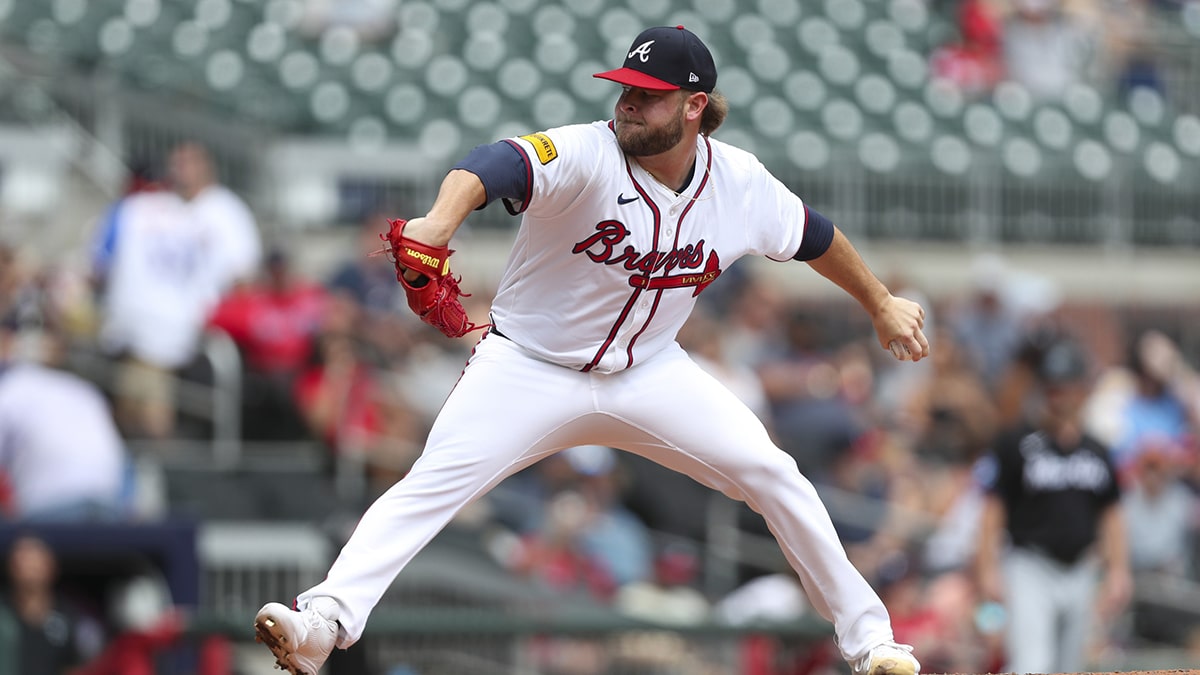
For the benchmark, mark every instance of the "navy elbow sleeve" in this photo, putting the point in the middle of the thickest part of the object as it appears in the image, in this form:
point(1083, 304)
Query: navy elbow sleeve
point(818, 235)
point(501, 169)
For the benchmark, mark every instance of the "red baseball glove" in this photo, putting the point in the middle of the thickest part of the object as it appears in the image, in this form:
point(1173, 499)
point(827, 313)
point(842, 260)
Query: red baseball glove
point(433, 297)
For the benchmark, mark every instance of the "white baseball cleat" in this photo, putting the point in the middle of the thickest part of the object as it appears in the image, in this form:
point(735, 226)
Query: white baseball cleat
point(888, 658)
point(300, 641)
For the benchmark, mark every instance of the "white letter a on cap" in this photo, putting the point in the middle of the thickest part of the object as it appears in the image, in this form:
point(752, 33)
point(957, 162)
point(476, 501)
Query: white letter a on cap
point(642, 50)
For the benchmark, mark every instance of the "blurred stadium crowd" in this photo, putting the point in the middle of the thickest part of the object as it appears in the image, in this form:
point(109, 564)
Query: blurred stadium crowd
point(194, 370)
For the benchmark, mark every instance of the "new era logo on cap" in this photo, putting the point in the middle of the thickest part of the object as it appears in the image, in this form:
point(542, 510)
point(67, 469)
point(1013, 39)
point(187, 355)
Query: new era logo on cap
point(666, 58)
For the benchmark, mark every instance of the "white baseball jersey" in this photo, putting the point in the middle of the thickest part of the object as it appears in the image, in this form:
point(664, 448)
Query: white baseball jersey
point(161, 283)
point(608, 262)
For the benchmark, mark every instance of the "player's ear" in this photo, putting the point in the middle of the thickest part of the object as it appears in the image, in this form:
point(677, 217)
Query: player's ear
point(694, 107)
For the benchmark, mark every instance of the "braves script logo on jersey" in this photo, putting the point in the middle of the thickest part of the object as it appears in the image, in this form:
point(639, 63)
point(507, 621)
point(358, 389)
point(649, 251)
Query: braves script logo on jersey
point(604, 247)
point(642, 51)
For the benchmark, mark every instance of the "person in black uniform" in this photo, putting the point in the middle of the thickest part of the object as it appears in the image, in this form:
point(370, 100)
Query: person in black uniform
point(1052, 490)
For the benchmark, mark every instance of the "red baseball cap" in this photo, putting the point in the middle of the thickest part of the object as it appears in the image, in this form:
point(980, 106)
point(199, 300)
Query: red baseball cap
point(666, 58)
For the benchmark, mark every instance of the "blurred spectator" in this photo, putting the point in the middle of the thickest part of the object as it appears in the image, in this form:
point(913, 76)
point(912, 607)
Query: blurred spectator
point(573, 531)
point(163, 260)
point(1046, 49)
point(975, 63)
point(338, 396)
point(1159, 510)
point(1126, 59)
point(384, 321)
point(58, 445)
point(366, 278)
point(614, 535)
point(1163, 409)
point(369, 19)
point(555, 556)
point(53, 636)
point(951, 417)
point(812, 421)
point(144, 626)
point(1054, 491)
point(987, 326)
point(703, 337)
point(669, 595)
point(777, 597)
point(214, 208)
point(753, 326)
point(274, 322)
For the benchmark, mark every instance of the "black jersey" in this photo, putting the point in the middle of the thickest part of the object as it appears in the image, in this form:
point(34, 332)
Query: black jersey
point(1053, 496)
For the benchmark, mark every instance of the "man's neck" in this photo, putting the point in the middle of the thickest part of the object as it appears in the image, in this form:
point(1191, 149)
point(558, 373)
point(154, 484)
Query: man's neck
point(673, 168)
point(189, 195)
point(33, 605)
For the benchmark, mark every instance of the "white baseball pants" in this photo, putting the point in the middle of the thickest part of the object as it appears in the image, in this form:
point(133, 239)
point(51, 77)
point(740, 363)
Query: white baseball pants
point(1050, 612)
point(510, 410)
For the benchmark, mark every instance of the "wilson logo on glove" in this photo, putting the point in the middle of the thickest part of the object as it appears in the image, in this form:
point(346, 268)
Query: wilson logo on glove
point(435, 296)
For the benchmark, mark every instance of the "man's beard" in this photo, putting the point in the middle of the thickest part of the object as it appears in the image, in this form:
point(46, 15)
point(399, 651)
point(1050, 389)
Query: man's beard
point(642, 141)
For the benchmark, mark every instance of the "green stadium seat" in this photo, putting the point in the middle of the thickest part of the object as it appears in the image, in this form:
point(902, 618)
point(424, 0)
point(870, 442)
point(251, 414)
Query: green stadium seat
point(1013, 101)
point(816, 33)
point(1186, 130)
point(838, 65)
point(805, 90)
point(808, 150)
point(772, 117)
point(1052, 128)
point(739, 86)
point(910, 15)
point(907, 68)
point(1121, 131)
point(882, 37)
point(842, 120)
point(329, 102)
point(983, 126)
point(913, 122)
point(581, 8)
point(781, 12)
point(769, 63)
point(749, 31)
point(338, 45)
point(299, 70)
point(519, 79)
point(847, 15)
point(266, 42)
point(552, 108)
point(951, 155)
point(487, 17)
point(879, 152)
point(446, 75)
point(556, 53)
point(943, 99)
point(1093, 160)
point(875, 94)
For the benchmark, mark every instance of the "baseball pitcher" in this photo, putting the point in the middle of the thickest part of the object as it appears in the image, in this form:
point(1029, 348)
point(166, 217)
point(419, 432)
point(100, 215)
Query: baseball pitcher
point(624, 223)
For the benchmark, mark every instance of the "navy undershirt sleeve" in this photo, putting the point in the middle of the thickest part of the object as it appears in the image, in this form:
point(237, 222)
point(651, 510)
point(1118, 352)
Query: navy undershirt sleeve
point(501, 169)
point(818, 235)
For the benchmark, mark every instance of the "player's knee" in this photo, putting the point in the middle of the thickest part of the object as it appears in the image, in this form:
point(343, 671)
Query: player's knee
point(772, 466)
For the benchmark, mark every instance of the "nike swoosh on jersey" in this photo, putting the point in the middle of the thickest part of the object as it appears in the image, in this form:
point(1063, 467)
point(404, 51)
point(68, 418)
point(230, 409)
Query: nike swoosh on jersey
point(622, 199)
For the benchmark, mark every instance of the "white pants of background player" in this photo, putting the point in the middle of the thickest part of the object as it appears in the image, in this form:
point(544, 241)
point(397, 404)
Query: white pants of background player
point(510, 410)
point(1050, 610)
